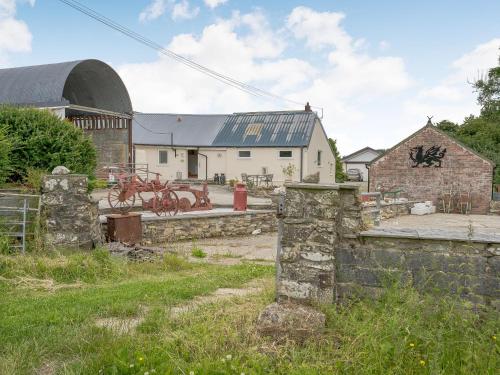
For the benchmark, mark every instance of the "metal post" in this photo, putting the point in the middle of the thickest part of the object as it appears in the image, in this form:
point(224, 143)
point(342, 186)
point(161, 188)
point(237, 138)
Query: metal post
point(24, 225)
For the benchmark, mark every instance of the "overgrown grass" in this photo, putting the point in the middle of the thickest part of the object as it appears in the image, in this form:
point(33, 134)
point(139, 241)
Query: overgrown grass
point(198, 252)
point(402, 333)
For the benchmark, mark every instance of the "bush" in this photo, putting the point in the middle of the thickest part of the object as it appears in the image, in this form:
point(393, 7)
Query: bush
point(41, 141)
point(5, 147)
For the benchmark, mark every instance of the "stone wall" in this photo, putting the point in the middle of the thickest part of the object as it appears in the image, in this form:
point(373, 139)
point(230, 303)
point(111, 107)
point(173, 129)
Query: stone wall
point(325, 255)
point(69, 214)
point(190, 226)
point(387, 211)
point(469, 268)
point(111, 145)
point(316, 219)
point(460, 168)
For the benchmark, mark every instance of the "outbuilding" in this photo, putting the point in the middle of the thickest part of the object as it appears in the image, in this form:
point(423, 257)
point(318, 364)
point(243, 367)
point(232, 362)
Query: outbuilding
point(359, 160)
point(182, 146)
point(430, 165)
point(88, 93)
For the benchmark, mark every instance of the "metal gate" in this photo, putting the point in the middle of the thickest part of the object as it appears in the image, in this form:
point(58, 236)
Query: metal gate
point(19, 217)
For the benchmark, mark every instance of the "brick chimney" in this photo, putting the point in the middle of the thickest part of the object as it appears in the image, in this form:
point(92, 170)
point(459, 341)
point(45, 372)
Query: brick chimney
point(308, 107)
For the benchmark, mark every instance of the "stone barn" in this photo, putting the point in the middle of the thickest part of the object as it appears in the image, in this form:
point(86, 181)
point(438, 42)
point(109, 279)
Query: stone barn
point(430, 163)
point(88, 93)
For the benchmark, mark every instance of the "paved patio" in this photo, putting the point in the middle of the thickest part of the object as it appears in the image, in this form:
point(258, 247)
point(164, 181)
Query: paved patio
point(219, 196)
point(479, 224)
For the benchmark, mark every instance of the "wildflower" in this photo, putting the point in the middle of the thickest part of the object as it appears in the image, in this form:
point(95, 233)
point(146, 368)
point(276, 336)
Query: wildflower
point(229, 357)
point(191, 372)
point(494, 338)
point(141, 359)
point(131, 365)
point(412, 345)
point(422, 362)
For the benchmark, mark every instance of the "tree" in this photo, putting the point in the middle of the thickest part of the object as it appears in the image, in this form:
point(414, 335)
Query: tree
point(488, 89)
point(482, 133)
point(41, 140)
point(340, 176)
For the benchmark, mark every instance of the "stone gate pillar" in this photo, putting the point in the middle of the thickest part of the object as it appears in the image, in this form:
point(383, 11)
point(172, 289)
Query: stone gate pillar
point(316, 220)
point(70, 215)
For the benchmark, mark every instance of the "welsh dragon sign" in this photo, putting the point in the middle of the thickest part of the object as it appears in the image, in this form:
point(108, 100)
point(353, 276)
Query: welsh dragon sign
point(431, 157)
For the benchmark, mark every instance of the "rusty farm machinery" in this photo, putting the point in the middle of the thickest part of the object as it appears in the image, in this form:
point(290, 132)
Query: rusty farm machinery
point(161, 198)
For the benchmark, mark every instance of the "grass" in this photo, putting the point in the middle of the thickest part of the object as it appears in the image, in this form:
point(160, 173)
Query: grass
point(198, 252)
point(55, 328)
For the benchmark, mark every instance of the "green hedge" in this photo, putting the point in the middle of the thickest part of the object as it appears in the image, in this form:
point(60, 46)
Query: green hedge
point(5, 147)
point(40, 140)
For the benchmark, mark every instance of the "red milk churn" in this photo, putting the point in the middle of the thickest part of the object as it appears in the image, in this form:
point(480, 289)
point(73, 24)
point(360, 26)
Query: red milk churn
point(240, 198)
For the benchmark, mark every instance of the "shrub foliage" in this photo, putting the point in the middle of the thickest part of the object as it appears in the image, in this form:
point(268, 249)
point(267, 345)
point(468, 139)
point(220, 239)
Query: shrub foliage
point(4, 157)
point(40, 140)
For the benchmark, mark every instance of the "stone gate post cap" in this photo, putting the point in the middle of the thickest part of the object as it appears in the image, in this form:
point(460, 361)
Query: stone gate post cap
point(60, 170)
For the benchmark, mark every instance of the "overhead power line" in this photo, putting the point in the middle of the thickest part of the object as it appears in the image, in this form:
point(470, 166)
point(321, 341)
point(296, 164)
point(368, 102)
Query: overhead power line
point(249, 89)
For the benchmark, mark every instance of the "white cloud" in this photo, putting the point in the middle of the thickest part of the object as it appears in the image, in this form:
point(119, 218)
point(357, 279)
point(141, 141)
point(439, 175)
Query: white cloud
point(182, 10)
point(367, 99)
point(453, 98)
point(214, 3)
point(14, 33)
point(319, 29)
point(154, 10)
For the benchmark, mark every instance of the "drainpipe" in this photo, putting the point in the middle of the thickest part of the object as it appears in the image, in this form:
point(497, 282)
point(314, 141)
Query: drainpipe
point(301, 161)
point(206, 165)
point(368, 170)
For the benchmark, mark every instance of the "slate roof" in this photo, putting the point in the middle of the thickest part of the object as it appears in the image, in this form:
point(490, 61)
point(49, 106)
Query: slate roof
point(356, 153)
point(90, 83)
point(251, 129)
point(188, 130)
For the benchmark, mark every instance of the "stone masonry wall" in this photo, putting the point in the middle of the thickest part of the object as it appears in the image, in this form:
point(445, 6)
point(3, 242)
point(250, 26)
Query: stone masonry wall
point(316, 219)
point(324, 254)
point(70, 215)
point(470, 269)
point(187, 227)
point(460, 167)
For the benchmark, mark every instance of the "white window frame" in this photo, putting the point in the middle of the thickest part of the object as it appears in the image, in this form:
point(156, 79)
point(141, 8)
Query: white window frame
point(319, 155)
point(285, 157)
point(159, 159)
point(244, 157)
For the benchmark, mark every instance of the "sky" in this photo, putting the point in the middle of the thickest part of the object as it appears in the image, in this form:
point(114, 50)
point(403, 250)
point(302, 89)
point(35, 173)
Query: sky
point(374, 70)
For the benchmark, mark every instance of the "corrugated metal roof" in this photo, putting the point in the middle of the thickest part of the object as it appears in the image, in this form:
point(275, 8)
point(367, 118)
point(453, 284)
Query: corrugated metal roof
point(188, 130)
point(267, 129)
point(90, 83)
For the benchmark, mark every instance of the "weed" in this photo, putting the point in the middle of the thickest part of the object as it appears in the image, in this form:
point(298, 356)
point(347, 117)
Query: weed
point(198, 252)
point(173, 262)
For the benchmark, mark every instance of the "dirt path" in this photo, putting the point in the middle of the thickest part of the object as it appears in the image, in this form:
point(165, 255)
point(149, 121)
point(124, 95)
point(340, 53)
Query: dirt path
point(231, 251)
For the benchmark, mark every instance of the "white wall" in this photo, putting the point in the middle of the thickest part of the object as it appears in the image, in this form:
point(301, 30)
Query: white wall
point(262, 157)
point(149, 155)
point(319, 142)
point(227, 160)
point(365, 156)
